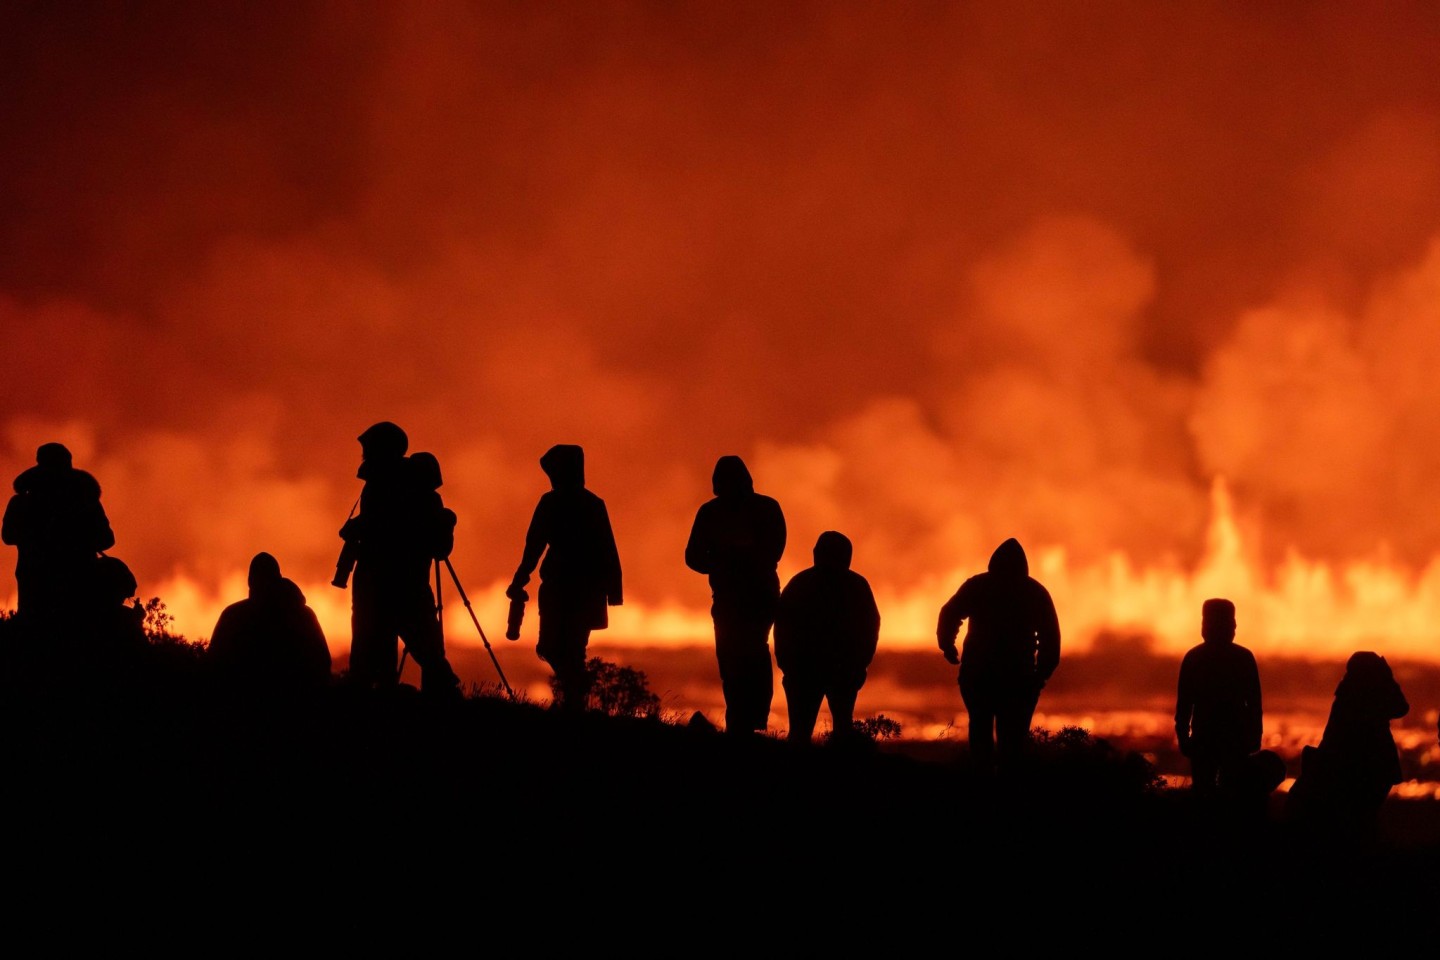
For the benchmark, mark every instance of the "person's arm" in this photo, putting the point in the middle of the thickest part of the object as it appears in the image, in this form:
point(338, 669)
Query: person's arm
point(1399, 706)
point(955, 610)
point(13, 529)
point(537, 538)
point(871, 621)
point(775, 534)
point(1184, 707)
point(698, 554)
point(785, 626)
point(1255, 719)
point(610, 557)
point(1047, 635)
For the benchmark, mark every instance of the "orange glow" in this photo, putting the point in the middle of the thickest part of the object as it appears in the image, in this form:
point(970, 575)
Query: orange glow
point(1143, 287)
point(1298, 608)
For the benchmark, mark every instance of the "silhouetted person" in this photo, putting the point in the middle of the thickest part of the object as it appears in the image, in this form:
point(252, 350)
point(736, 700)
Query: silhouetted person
point(270, 646)
point(56, 522)
point(826, 630)
point(579, 576)
point(1218, 716)
point(1344, 782)
point(737, 541)
point(1011, 648)
point(401, 528)
point(116, 624)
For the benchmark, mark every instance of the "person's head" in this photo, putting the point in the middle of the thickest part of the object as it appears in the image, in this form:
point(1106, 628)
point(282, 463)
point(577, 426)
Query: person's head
point(264, 572)
point(1366, 671)
point(564, 464)
point(116, 582)
point(427, 470)
point(1217, 620)
point(731, 477)
point(53, 456)
point(833, 551)
point(383, 441)
point(1008, 560)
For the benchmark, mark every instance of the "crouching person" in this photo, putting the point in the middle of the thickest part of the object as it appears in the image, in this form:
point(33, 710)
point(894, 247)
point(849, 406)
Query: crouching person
point(826, 631)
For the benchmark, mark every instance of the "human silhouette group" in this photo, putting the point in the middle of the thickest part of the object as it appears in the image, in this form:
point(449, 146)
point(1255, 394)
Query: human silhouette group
point(825, 621)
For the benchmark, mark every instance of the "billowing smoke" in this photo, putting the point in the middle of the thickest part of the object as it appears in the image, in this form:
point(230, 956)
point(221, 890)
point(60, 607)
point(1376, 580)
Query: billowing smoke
point(942, 274)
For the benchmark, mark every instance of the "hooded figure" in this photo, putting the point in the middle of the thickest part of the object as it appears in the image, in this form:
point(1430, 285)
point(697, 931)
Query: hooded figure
point(1344, 781)
point(579, 576)
point(401, 528)
point(826, 630)
point(58, 526)
point(737, 541)
point(1011, 648)
point(270, 646)
point(1218, 714)
point(119, 624)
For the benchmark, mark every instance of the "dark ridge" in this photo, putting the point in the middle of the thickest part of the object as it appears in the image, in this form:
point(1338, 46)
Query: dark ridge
point(421, 819)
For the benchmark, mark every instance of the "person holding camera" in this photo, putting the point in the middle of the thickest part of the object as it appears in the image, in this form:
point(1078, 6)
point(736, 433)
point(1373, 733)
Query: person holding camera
point(400, 529)
point(579, 576)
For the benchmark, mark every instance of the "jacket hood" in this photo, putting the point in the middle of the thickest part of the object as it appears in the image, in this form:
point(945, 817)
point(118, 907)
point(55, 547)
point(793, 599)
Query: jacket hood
point(1009, 559)
point(264, 571)
point(564, 464)
point(1366, 675)
point(55, 455)
point(833, 551)
point(731, 478)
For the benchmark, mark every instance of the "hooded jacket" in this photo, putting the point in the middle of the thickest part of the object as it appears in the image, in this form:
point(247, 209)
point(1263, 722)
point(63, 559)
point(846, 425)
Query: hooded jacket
point(739, 536)
point(271, 642)
point(55, 517)
point(1013, 625)
point(1357, 736)
point(571, 529)
point(827, 625)
point(1218, 711)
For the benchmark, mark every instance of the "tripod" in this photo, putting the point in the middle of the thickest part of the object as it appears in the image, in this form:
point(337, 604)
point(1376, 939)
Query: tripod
point(440, 616)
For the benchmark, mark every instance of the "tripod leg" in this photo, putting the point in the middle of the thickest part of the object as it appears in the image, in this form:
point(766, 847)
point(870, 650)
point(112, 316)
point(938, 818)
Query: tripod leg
point(476, 620)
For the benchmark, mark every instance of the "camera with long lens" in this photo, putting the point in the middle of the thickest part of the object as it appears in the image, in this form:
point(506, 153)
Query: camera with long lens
point(512, 623)
point(345, 565)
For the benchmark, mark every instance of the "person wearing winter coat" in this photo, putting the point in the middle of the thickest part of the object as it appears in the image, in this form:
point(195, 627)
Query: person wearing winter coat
point(1011, 648)
point(1218, 712)
point(59, 528)
point(826, 631)
point(737, 540)
point(1344, 781)
point(269, 646)
point(402, 527)
point(580, 576)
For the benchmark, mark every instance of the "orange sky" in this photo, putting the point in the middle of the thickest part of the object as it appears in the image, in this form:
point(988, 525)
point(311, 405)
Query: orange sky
point(942, 273)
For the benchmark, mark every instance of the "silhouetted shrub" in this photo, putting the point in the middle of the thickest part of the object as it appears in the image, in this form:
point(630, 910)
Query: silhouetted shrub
point(616, 690)
point(878, 727)
point(1073, 753)
point(172, 648)
point(872, 729)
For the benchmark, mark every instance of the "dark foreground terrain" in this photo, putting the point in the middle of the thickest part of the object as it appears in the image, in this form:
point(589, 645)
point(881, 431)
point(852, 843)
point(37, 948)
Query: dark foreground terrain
point(158, 813)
